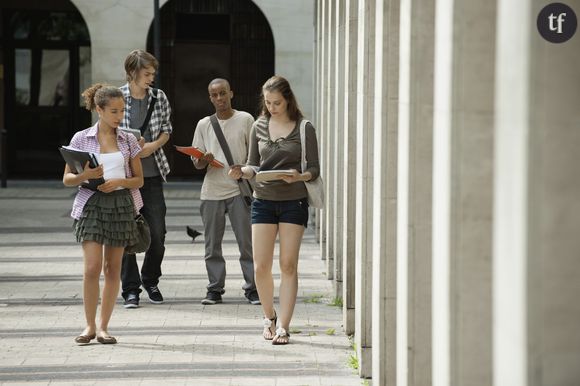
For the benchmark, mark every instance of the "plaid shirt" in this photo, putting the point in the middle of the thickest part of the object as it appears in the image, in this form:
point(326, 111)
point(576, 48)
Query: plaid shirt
point(158, 124)
point(87, 140)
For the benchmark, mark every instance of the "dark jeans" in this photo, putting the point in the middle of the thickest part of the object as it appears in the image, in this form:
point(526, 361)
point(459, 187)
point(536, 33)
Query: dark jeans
point(154, 212)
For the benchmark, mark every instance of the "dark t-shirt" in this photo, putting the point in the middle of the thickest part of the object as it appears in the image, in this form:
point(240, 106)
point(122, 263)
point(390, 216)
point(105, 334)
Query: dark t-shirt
point(137, 114)
point(284, 153)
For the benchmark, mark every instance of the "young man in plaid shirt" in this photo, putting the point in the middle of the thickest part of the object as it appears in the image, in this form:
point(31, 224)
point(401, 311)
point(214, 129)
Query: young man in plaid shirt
point(140, 67)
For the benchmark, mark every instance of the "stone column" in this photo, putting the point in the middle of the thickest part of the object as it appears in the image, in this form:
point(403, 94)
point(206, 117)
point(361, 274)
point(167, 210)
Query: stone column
point(338, 154)
point(322, 130)
point(109, 47)
point(384, 239)
point(537, 210)
point(319, 71)
point(330, 140)
point(323, 116)
point(414, 197)
point(463, 187)
point(364, 185)
point(349, 163)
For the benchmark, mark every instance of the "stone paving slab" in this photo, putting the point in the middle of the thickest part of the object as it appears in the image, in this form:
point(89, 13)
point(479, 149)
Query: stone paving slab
point(180, 342)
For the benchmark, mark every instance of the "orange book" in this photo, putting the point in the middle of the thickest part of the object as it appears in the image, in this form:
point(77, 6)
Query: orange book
point(196, 153)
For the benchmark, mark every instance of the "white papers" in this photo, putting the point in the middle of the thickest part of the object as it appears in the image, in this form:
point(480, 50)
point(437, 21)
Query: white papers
point(270, 175)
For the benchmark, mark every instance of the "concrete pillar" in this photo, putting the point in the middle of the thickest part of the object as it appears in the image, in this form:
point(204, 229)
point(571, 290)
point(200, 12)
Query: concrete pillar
point(330, 142)
point(321, 130)
point(338, 154)
point(537, 211)
point(414, 197)
point(364, 185)
point(463, 187)
point(349, 162)
point(384, 239)
point(319, 71)
point(109, 46)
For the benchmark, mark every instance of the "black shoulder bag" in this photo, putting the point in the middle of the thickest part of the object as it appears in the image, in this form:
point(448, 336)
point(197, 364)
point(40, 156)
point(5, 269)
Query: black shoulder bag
point(149, 112)
point(245, 187)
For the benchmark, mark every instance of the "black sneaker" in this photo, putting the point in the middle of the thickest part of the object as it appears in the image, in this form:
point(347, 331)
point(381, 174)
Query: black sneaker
point(212, 298)
point(155, 296)
point(132, 301)
point(253, 298)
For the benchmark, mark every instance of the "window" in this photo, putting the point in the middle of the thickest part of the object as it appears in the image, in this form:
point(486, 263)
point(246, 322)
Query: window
point(84, 71)
point(54, 78)
point(23, 64)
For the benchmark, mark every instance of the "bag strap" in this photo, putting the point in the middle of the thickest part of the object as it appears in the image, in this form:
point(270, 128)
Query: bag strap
point(303, 143)
point(149, 111)
point(221, 139)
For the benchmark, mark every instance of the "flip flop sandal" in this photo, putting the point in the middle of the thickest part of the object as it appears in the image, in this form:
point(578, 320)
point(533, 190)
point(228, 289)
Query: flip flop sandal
point(85, 339)
point(281, 333)
point(106, 339)
point(268, 324)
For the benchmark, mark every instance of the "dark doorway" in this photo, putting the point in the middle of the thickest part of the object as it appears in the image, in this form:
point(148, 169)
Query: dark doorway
point(206, 39)
point(47, 64)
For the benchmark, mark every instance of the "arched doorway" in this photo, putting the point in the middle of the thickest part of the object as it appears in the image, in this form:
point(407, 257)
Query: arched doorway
point(202, 40)
point(47, 63)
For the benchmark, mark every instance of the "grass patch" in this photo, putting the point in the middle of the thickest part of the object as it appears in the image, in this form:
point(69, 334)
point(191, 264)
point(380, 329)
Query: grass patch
point(336, 302)
point(295, 331)
point(352, 361)
point(330, 331)
point(312, 333)
point(316, 298)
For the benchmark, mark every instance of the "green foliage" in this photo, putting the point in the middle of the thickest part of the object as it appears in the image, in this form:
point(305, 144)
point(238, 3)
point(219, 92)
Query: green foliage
point(315, 298)
point(352, 361)
point(336, 301)
point(330, 331)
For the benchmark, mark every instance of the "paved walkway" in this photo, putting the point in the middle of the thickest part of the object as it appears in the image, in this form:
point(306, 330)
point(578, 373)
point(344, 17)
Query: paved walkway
point(179, 342)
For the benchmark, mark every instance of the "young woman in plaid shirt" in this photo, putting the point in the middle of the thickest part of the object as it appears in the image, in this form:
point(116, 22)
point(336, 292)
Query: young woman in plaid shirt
point(104, 219)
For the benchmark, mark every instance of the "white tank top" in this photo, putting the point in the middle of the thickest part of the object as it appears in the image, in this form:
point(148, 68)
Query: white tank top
point(113, 165)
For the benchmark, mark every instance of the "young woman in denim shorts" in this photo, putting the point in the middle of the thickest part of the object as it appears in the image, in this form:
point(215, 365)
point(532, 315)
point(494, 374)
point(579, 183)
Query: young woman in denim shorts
point(280, 206)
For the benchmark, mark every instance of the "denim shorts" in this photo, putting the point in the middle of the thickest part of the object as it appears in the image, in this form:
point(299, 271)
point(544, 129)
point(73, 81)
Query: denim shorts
point(274, 212)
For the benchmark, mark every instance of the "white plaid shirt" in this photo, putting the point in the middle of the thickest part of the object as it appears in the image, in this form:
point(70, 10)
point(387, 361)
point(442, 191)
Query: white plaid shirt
point(87, 140)
point(158, 124)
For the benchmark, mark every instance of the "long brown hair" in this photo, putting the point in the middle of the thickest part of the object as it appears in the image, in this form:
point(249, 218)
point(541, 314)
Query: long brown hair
point(281, 85)
point(99, 94)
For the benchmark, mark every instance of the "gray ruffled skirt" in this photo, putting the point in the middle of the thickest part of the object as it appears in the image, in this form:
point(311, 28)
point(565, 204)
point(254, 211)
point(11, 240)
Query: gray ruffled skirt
point(108, 219)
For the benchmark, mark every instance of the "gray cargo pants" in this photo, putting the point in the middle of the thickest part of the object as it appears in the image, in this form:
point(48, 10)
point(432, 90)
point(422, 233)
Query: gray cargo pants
point(213, 215)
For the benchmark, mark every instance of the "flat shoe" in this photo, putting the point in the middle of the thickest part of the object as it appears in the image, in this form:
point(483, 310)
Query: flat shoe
point(268, 325)
point(84, 339)
point(106, 339)
point(281, 333)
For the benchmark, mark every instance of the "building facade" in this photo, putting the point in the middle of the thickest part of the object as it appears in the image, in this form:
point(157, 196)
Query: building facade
point(243, 40)
point(449, 134)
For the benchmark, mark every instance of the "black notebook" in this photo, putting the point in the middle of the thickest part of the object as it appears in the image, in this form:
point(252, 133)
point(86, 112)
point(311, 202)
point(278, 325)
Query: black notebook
point(76, 160)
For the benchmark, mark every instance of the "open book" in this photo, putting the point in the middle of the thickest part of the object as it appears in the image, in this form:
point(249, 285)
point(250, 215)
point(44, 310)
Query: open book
point(135, 132)
point(76, 160)
point(196, 153)
point(270, 175)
